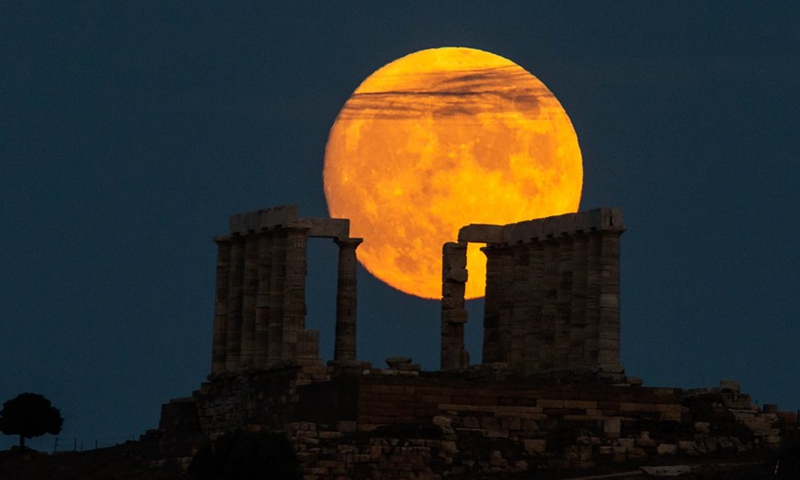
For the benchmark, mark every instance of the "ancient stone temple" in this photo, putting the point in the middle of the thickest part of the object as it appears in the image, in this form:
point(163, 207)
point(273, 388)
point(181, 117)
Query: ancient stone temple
point(549, 393)
point(259, 314)
point(552, 293)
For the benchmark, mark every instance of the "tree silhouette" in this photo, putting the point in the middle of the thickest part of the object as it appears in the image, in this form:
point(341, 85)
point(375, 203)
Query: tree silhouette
point(29, 415)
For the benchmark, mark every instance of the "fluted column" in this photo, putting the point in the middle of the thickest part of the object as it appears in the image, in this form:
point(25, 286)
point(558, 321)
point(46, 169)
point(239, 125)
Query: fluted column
point(492, 351)
point(609, 326)
point(593, 286)
point(565, 356)
point(294, 301)
point(346, 306)
point(275, 300)
point(219, 346)
point(249, 293)
point(261, 343)
point(234, 318)
point(578, 314)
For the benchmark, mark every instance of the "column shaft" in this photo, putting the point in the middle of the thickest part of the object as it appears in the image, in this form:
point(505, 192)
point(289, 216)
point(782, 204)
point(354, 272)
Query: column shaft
point(294, 302)
point(346, 305)
point(234, 321)
point(249, 293)
point(277, 288)
point(609, 300)
point(261, 342)
point(219, 345)
point(491, 306)
point(454, 315)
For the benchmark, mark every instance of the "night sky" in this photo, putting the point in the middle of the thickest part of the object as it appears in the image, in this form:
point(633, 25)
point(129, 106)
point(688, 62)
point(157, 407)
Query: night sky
point(129, 132)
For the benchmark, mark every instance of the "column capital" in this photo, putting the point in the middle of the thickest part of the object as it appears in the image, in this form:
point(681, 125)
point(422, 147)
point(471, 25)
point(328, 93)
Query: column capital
point(348, 242)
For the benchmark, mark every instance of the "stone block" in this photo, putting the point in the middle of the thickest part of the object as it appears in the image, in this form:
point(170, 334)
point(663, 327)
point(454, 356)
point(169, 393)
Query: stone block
point(627, 442)
point(278, 216)
point(612, 427)
point(702, 427)
point(325, 227)
point(535, 445)
point(481, 233)
point(605, 450)
point(711, 444)
point(729, 385)
point(449, 446)
point(442, 421)
point(548, 403)
point(667, 449)
point(636, 452)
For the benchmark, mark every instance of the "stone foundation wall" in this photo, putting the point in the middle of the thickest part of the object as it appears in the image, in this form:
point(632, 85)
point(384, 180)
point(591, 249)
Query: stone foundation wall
point(403, 425)
point(440, 426)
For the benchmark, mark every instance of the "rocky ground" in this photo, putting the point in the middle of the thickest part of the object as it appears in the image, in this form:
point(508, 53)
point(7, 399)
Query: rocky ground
point(101, 464)
point(118, 463)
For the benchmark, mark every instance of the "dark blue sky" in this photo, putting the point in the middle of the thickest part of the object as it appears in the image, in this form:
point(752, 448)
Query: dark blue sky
point(129, 133)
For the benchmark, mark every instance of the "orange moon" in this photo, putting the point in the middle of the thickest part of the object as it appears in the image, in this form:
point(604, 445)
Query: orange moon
point(439, 139)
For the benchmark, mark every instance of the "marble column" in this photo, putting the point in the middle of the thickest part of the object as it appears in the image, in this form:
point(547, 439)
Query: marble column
point(276, 295)
point(578, 305)
point(609, 327)
point(491, 306)
point(593, 287)
point(534, 345)
point(294, 301)
point(235, 292)
point(261, 343)
point(219, 345)
point(346, 306)
point(454, 315)
point(550, 281)
point(249, 294)
point(566, 358)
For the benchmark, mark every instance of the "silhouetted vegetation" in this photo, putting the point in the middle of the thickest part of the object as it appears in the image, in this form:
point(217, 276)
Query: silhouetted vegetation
point(246, 456)
point(29, 415)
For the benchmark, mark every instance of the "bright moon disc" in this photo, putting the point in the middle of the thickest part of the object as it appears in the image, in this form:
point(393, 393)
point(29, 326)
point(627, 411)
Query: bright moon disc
point(437, 140)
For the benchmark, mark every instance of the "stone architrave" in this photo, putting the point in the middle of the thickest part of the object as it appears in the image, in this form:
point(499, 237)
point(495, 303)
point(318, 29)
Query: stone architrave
point(219, 346)
point(345, 341)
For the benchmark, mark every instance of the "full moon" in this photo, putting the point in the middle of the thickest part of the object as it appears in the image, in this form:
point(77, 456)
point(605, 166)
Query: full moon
point(437, 140)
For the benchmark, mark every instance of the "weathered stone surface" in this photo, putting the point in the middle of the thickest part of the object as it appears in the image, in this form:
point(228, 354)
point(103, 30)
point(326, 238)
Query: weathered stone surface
point(552, 294)
point(338, 228)
point(551, 393)
point(481, 233)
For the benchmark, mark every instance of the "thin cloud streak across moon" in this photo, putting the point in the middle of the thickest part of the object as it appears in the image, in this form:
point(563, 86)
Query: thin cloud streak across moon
point(473, 92)
point(439, 139)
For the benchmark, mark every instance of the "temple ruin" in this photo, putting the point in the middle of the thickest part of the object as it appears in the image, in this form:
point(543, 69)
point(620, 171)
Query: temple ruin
point(548, 394)
point(552, 293)
point(259, 311)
